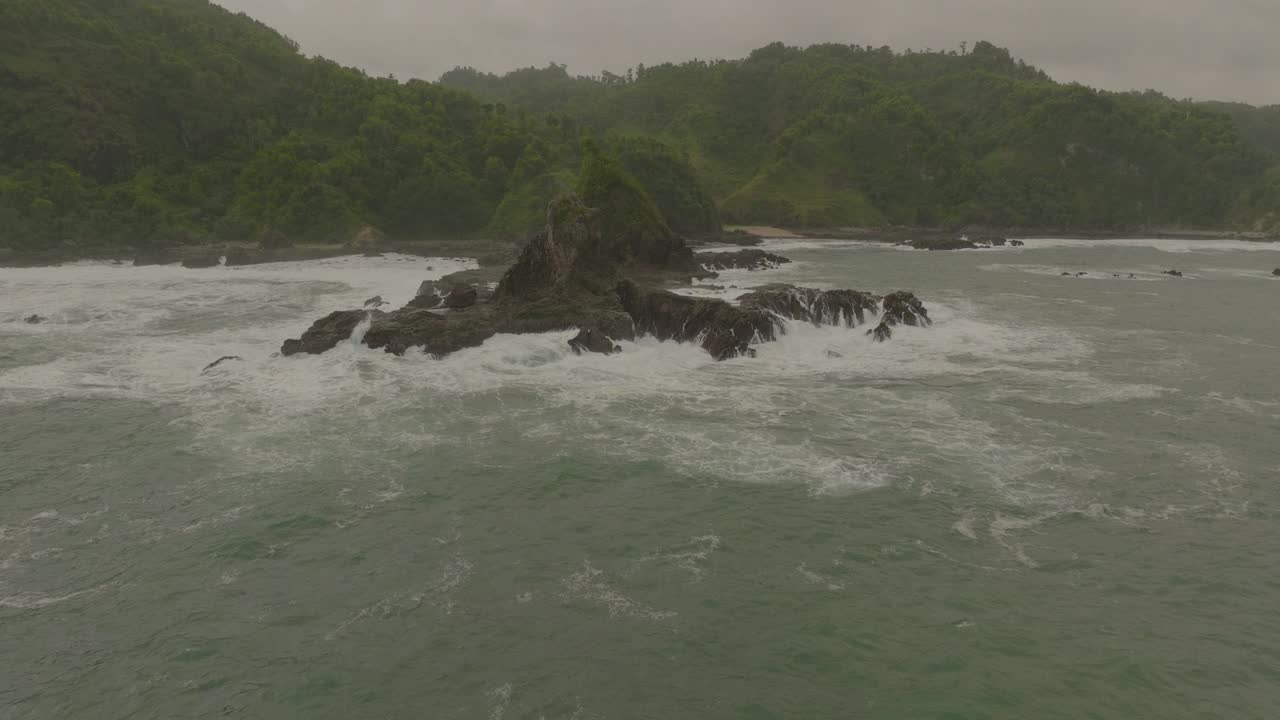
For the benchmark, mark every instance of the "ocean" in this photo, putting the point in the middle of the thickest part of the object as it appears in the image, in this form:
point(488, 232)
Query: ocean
point(1062, 500)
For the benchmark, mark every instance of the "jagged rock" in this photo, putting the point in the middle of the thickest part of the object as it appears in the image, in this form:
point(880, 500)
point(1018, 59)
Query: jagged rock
point(200, 262)
point(326, 333)
point(374, 302)
point(900, 308)
point(1173, 273)
point(33, 320)
point(1275, 273)
point(571, 276)
point(1016, 243)
point(820, 307)
point(219, 361)
point(1081, 274)
point(461, 297)
point(426, 288)
point(751, 259)
point(942, 243)
point(592, 340)
point(723, 330)
point(994, 241)
point(425, 302)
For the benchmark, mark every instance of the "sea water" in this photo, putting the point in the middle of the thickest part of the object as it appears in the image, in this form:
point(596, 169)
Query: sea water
point(1060, 501)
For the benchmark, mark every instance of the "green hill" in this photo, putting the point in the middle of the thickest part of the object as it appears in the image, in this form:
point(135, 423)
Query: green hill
point(162, 122)
point(835, 134)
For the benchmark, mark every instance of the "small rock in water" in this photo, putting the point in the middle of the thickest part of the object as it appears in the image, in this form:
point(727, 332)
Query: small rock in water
point(592, 340)
point(753, 259)
point(1016, 243)
point(33, 320)
point(1275, 273)
point(1174, 273)
point(1081, 274)
point(1066, 274)
point(219, 361)
point(833, 354)
point(374, 302)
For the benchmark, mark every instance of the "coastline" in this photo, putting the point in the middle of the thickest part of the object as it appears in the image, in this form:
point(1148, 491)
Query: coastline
point(495, 253)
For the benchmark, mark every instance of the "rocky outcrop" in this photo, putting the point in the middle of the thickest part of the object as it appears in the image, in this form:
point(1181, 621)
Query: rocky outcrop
point(1172, 273)
point(1016, 243)
point(593, 341)
point(374, 302)
point(429, 301)
point(1275, 273)
point(571, 277)
point(820, 307)
point(460, 297)
point(723, 330)
point(33, 320)
point(900, 308)
point(942, 243)
point(751, 259)
point(326, 333)
point(202, 261)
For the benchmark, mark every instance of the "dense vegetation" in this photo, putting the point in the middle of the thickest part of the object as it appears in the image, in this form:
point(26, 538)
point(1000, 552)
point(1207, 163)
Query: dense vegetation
point(846, 135)
point(160, 122)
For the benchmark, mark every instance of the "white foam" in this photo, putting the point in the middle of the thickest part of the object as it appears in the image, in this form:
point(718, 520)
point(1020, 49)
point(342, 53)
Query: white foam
point(1206, 245)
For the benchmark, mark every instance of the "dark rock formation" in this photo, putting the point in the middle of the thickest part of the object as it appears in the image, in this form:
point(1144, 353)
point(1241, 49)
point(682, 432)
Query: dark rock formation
point(201, 261)
point(1275, 273)
point(1016, 243)
point(33, 320)
point(573, 276)
point(900, 308)
point(219, 361)
point(820, 307)
point(425, 302)
point(752, 259)
point(1173, 273)
point(993, 241)
point(942, 243)
point(461, 297)
point(723, 330)
point(326, 333)
point(592, 340)
point(374, 302)
point(834, 355)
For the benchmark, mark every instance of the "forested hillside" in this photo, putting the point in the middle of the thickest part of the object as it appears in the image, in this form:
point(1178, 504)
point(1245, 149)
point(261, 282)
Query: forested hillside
point(836, 135)
point(162, 122)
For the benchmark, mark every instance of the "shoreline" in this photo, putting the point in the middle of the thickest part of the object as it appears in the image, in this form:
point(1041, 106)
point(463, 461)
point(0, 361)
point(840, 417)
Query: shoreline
point(491, 253)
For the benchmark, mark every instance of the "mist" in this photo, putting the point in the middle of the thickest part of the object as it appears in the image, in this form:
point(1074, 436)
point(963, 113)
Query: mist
point(1202, 49)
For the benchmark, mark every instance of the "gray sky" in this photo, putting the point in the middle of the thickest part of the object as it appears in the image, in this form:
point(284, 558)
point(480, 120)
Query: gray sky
point(1207, 49)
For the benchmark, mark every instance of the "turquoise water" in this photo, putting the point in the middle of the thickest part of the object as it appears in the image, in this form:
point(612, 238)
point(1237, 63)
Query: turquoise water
point(1058, 502)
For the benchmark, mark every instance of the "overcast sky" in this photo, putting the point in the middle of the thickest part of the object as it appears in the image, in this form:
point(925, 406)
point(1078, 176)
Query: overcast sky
point(1207, 49)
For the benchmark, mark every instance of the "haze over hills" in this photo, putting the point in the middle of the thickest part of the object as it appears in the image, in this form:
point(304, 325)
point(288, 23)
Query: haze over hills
point(159, 122)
